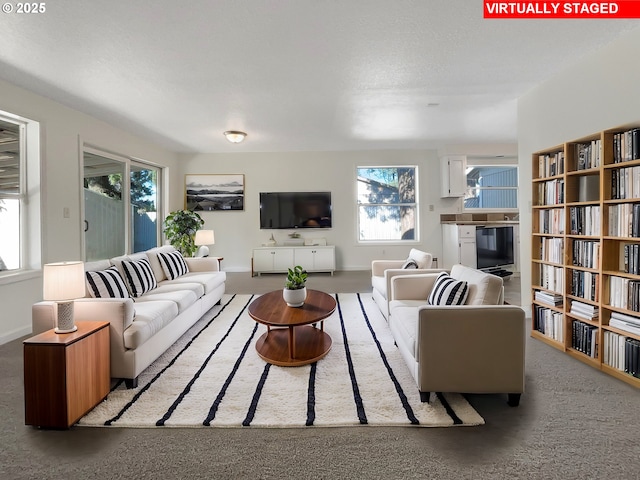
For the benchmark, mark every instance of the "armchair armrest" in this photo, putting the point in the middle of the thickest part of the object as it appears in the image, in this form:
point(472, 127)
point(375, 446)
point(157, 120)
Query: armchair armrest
point(412, 287)
point(390, 273)
point(379, 266)
point(202, 264)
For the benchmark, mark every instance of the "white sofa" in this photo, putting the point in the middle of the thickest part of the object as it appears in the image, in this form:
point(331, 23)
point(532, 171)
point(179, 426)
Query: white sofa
point(382, 271)
point(143, 328)
point(477, 347)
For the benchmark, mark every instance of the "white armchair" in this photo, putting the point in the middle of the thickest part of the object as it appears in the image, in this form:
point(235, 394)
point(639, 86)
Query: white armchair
point(382, 271)
point(477, 347)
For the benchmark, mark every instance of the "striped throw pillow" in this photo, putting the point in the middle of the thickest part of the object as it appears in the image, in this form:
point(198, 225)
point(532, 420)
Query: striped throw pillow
point(173, 264)
point(106, 284)
point(139, 276)
point(448, 291)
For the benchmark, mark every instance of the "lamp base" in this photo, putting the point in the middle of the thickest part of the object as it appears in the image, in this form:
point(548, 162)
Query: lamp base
point(203, 251)
point(65, 318)
point(57, 330)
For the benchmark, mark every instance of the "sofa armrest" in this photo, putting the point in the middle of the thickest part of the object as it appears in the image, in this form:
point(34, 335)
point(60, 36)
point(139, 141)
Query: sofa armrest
point(412, 287)
point(119, 312)
point(471, 348)
point(379, 266)
point(202, 264)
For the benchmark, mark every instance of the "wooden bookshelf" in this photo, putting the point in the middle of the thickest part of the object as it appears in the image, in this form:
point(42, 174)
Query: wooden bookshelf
point(585, 259)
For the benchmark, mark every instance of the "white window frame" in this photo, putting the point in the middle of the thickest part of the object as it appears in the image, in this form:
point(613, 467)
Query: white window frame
point(29, 197)
point(128, 161)
point(413, 241)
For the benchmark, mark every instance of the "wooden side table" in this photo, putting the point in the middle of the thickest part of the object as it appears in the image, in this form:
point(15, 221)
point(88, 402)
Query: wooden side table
point(66, 375)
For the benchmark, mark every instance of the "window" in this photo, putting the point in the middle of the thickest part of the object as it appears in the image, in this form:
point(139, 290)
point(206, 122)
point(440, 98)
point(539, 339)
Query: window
point(387, 204)
point(491, 187)
point(19, 207)
point(120, 217)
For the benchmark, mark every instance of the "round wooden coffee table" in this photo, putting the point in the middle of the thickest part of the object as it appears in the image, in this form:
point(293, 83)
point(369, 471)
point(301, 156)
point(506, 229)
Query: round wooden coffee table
point(299, 343)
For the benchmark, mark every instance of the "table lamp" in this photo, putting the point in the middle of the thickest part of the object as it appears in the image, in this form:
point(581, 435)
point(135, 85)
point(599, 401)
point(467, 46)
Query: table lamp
point(204, 238)
point(63, 282)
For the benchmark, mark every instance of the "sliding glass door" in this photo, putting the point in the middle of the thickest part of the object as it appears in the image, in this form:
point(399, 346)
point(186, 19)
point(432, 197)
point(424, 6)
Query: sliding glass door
point(119, 216)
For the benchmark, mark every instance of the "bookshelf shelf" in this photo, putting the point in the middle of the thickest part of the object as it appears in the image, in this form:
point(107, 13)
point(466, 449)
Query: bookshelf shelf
point(586, 250)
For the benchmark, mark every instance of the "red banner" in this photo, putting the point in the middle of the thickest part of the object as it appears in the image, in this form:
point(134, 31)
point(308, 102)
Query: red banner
point(562, 9)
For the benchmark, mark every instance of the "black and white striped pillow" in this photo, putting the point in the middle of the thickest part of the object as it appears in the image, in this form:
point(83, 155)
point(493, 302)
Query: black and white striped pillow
point(106, 284)
point(139, 276)
point(173, 264)
point(448, 291)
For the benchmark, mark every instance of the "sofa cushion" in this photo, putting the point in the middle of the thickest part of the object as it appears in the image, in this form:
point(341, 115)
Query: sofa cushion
point(173, 264)
point(106, 283)
point(170, 286)
point(484, 288)
point(379, 284)
point(183, 298)
point(404, 323)
point(209, 280)
point(423, 259)
point(149, 319)
point(448, 291)
point(139, 276)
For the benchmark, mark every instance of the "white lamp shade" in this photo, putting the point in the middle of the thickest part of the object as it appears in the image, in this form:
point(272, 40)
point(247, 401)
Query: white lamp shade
point(204, 237)
point(63, 281)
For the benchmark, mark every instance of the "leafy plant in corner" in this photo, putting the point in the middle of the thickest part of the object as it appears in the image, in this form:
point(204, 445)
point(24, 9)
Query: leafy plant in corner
point(180, 228)
point(296, 278)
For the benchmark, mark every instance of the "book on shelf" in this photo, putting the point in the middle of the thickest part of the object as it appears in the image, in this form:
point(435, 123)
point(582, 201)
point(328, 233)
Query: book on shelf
point(584, 310)
point(626, 145)
point(584, 338)
point(549, 298)
point(588, 154)
point(614, 350)
point(625, 322)
point(550, 164)
point(548, 322)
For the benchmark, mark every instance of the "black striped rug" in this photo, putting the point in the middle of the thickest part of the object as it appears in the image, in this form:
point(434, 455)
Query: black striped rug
point(213, 377)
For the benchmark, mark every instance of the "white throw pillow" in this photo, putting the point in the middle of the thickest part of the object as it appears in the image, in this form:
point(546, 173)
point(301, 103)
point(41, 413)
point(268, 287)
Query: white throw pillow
point(448, 291)
point(423, 259)
point(139, 276)
point(106, 284)
point(173, 264)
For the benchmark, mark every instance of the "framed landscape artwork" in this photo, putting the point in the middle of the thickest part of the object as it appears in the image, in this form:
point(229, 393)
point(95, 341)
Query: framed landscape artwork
point(208, 193)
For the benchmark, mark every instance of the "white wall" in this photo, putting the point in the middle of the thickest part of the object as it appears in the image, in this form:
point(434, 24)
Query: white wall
point(237, 233)
point(61, 128)
point(598, 93)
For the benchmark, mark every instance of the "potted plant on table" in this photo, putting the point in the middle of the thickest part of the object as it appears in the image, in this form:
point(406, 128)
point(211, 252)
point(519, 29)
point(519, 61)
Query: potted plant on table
point(295, 290)
point(180, 228)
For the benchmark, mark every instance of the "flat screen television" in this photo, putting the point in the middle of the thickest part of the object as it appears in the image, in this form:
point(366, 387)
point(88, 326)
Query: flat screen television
point(494, 246)
point(295, 210)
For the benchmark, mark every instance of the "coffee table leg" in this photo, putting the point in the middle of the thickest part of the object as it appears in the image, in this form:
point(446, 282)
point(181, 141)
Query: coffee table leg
point(291, 349)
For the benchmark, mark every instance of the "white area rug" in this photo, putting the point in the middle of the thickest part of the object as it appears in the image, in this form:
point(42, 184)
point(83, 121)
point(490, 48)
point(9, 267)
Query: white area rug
point(213, 377)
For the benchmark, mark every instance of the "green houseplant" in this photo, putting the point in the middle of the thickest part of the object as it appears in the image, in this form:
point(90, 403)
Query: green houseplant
point(180, 228)
point(295, 290)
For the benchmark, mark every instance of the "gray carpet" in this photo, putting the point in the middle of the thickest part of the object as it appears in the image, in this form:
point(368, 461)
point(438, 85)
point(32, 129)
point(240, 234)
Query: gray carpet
point(573, 422)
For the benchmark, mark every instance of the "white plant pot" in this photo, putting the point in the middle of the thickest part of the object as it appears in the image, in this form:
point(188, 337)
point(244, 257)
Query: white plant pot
point(295, 298)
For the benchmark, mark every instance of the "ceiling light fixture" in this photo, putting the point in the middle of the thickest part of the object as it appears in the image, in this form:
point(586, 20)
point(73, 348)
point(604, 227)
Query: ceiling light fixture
point(235, 136)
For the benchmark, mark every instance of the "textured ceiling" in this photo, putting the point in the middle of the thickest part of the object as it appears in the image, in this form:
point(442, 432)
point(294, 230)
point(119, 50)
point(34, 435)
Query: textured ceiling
point(295, 75)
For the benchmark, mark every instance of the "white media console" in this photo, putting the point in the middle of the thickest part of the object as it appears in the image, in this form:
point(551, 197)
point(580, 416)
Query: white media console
point(313, 258)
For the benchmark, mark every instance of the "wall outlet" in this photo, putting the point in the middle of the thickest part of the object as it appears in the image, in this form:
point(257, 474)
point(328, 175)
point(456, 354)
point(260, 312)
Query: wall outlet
point(66, 213)
point(431, 208)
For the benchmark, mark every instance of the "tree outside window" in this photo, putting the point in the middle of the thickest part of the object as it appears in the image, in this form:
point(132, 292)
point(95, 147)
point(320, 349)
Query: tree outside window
point(387, 205)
